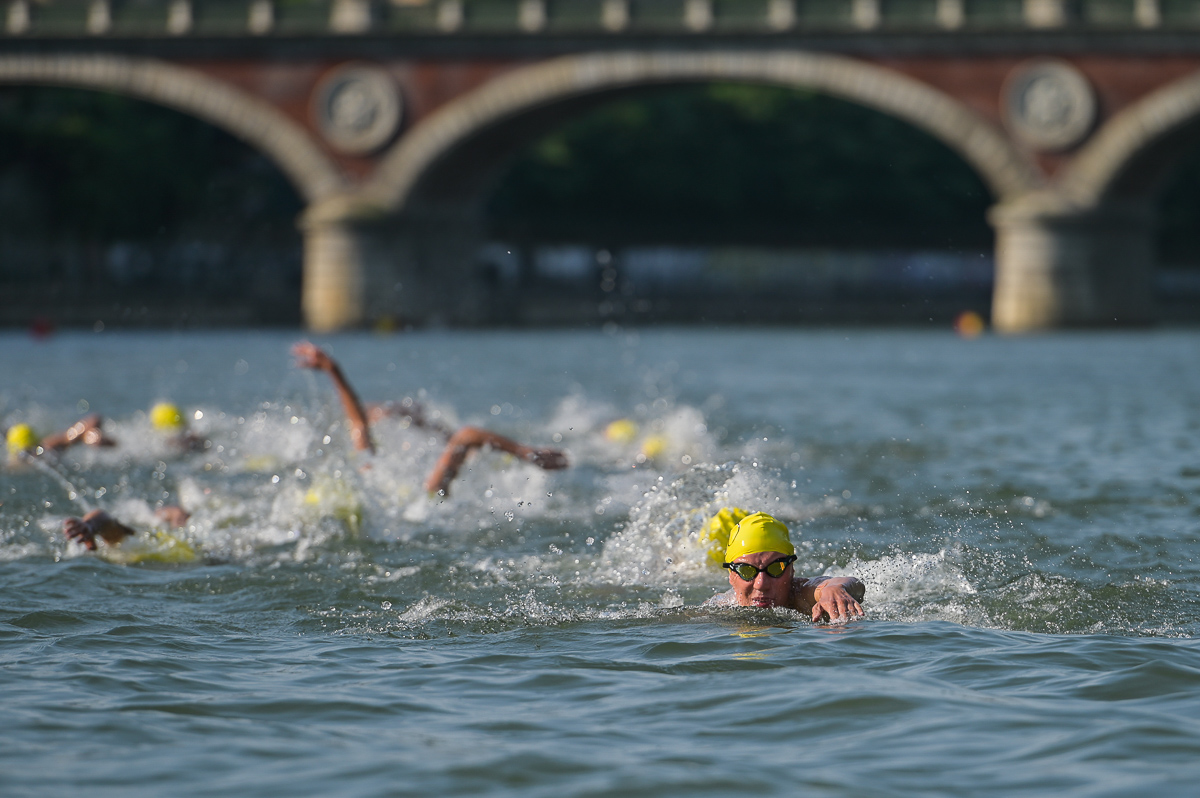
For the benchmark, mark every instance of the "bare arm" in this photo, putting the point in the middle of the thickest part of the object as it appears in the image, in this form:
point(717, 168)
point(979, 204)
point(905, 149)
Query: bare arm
point(467, 439)
point(96, 524)
point(85, 430)
point(836, 597)
point(310, 357)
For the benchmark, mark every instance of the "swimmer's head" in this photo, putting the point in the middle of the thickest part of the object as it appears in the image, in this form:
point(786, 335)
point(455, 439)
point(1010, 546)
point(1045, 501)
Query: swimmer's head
point(623, 430)
point(166, 417)
point(654, 447)
point(756, 533)
point(21, 438)
point(716, 532)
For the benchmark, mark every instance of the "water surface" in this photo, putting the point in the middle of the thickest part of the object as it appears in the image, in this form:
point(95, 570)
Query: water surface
point(1025, 513)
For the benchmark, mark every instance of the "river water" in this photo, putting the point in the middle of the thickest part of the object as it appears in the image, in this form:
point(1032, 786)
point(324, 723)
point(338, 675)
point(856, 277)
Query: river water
point(1025, 513)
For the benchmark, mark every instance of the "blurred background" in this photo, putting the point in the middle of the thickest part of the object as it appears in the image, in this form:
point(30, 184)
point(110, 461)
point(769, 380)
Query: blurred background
point(368, 189)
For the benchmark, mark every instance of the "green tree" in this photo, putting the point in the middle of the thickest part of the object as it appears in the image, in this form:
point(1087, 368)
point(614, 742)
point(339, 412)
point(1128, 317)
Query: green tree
point(730, 163)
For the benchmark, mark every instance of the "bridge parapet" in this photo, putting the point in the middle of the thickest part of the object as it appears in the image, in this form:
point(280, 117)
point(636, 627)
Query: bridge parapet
point(288, 18)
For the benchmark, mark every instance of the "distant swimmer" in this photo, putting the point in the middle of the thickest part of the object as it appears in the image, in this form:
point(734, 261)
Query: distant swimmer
point(96, 525)
point(167, 418)
point(157, 546)
point(21, 438)
point(468, 439)
point(625, 431)
point(758, 553)
point(458, 447)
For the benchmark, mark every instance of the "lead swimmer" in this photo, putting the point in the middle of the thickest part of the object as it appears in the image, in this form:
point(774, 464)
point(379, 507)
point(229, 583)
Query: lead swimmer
point(759, 556)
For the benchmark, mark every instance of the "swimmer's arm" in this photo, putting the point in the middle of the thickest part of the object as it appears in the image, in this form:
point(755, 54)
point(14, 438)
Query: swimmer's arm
point(309, 356)
point(85, 430)
point(467, 439)
point(96, 524)
point(836, 597)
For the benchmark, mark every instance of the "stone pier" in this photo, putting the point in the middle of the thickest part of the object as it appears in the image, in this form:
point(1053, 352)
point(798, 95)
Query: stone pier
point(1063, 266)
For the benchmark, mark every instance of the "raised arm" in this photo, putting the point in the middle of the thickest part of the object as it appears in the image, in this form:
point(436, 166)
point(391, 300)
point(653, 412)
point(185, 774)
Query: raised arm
point(310, 357)
point(467, 439)
point(834, 596)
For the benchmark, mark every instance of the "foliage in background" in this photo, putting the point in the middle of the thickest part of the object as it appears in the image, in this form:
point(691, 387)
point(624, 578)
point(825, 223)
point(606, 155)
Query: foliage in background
point(1179, 215)
point(742, 164)
point(98, 167)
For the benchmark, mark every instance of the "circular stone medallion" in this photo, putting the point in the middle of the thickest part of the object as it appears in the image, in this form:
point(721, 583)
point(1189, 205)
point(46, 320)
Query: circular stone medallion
point(357, 108)
point(1049, 105)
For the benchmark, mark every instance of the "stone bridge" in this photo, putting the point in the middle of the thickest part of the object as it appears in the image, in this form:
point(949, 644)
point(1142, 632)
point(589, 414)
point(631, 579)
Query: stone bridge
point(390, 117)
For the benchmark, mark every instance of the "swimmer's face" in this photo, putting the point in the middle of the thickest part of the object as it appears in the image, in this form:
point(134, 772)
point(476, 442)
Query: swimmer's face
point(763, 590)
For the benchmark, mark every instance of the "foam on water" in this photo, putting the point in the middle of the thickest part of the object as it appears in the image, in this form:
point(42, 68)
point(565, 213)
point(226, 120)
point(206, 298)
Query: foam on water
point(1021, 510)
point(277, 482)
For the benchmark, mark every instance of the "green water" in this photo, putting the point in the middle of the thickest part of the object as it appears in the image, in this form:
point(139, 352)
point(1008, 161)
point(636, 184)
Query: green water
point(1025, 513)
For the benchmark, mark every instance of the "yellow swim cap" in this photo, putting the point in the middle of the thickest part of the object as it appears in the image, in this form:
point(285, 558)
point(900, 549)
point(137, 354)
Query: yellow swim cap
point(166, 416)
point(622, 430)
point(716, 532)
point(21, 438)
point(654, 446)
point(756, 533)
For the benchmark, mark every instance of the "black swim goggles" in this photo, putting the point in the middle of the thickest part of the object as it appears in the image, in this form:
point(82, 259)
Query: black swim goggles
point(749, 573)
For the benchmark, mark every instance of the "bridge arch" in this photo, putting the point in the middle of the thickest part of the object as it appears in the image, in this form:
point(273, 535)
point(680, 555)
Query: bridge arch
point(575, 79)
point(254, 121)
point(1129, 155)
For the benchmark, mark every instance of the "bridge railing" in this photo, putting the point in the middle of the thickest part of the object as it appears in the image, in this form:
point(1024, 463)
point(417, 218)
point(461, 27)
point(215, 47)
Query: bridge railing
point(221, 18)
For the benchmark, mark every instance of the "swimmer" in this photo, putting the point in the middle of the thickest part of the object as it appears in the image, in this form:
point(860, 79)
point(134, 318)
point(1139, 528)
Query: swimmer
point(86, 431)
point(468, 439)
point(308, 356)
point(21, 439)
point(625, 431)
point(158, 546)
point(99, 524)
point(759, 559)
point(458, 447)
point(96, 524)
point(167, 418)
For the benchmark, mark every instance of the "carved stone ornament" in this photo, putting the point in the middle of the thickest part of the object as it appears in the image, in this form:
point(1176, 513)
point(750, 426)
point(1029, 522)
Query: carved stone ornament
point(1049, 105)
point(357, 108)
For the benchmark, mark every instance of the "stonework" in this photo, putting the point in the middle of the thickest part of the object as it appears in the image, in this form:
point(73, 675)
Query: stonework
point(1069, 175)
point(357, 108)
point(1049, 105)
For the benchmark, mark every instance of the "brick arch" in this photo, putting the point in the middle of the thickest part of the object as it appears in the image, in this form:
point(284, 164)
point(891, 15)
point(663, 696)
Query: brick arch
point(253, 121)
point(1130, 153)
point(1006, 171)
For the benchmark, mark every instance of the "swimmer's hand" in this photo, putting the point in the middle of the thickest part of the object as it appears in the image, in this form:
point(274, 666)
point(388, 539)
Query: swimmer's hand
point(80, 531)
point(308, 356)
point(549, 459)
point(96, 524)
point(832, 599)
